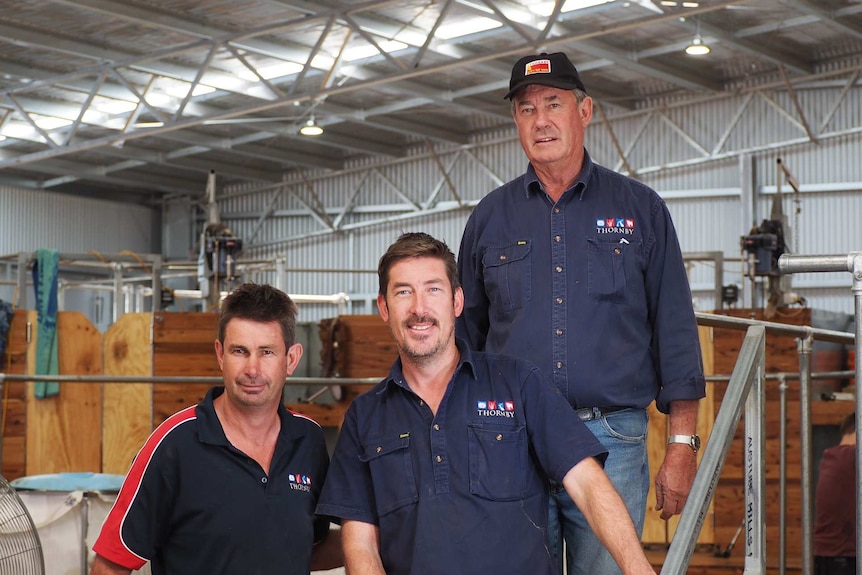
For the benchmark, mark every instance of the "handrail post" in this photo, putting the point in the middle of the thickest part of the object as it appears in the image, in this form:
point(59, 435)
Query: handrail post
point(754, 462)
point(805, 345)
point(856, 270)
point(782, 476)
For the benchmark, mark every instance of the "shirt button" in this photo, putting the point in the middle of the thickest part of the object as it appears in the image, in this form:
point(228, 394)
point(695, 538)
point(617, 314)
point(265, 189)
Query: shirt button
point(559, 269)
point(558, 239)
point(379, 449)
point(559, 300)
point(439, 459)
point(502, 258)
point(559, 365)
point(559, 332)
point(499, 437)
point(436, 427)
point(263, 479)
point(556, 210)
point(421, 402)
point(617, 251)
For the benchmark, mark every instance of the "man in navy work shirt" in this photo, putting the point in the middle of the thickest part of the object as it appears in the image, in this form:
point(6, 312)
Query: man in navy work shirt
point(442, 467)
point(229, 486)
point(578, 270)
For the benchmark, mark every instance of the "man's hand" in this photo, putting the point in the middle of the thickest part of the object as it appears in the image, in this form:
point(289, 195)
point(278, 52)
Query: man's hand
point(674, 479)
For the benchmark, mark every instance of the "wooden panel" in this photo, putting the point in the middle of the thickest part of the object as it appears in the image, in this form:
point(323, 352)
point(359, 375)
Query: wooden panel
point(183, 344)
point(325, 414)
point(781, 350)
point(657, 530)
point(64, 431)
point(357, 346)
point(14, 414)
point(127, 407)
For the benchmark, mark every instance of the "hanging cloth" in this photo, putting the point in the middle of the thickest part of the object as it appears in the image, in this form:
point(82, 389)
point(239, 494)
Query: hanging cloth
point(45, 285)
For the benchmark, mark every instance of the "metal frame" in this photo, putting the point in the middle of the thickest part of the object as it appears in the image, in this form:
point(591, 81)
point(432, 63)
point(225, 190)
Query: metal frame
point(748, 376)
point(851, 262)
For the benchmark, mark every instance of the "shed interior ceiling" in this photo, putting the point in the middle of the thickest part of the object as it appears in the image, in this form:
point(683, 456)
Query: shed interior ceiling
point(138, 100)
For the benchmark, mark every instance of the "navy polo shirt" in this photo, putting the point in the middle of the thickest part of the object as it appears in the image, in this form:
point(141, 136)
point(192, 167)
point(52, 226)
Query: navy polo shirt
point(592, 289)
point(465, 491)
point(192, 503)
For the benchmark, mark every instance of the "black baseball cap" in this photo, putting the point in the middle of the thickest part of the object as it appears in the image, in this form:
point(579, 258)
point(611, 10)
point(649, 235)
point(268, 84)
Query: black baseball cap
point(555, 70)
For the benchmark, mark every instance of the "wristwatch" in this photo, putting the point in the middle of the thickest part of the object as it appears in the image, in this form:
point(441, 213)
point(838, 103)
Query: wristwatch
point(692, 441)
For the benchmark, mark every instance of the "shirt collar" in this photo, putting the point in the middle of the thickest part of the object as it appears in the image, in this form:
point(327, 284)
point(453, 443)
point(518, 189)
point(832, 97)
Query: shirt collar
point(533, 185)
point(466, 362)
point(211, 431)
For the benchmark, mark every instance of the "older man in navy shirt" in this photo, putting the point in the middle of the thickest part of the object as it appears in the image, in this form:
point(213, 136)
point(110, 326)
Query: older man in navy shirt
point(578, 269)
point(442, 467)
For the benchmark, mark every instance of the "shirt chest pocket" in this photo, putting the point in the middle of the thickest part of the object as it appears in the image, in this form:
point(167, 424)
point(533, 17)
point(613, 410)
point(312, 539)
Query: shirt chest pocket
point(606, 266)
point(392, 473)
point(508, 276)
point(498, 461)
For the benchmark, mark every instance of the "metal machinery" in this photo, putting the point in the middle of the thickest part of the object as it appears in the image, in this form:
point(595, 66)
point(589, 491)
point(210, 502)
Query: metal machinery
point(219, 252)
point(766, 243)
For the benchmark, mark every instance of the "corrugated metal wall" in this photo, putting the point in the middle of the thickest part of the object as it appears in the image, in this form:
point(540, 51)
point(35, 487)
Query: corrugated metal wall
point(30, 220)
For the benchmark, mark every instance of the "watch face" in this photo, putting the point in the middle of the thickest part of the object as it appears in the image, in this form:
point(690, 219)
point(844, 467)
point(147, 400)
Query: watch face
point(695, 442)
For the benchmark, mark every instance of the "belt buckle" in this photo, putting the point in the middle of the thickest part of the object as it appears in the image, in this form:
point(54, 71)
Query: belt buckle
point(586, 413)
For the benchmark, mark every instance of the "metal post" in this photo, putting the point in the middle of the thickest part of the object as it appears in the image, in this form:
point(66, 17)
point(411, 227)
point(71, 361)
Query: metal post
point(782, 476)
point(119, 296)
point(805, 345)
point(157, 284)
point(856, 269)
point(754, 461)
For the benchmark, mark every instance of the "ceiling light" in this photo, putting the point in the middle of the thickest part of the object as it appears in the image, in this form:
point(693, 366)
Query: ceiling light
point(310, 128)
point(697, 47)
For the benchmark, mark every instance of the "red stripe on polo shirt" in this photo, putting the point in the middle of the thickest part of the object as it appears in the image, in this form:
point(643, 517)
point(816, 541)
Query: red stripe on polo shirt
point(110, 544)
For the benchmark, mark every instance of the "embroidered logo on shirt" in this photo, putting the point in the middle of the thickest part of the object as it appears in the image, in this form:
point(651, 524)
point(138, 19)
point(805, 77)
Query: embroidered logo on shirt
point(624, 226)
point(299, 482)
point(490, 408)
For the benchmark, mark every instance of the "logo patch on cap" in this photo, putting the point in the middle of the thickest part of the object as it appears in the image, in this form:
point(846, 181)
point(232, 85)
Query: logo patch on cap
point(538, 67)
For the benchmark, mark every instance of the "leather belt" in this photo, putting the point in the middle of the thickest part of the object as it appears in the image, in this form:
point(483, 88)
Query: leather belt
point(591, 413)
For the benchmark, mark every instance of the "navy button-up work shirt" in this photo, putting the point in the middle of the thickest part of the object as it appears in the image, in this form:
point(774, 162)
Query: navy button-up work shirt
point(463, 491)
point(592, 289)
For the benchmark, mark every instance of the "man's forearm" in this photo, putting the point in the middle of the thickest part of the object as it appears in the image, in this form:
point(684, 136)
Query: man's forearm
point(591, 490)
point(682, 419)
point(361, 548)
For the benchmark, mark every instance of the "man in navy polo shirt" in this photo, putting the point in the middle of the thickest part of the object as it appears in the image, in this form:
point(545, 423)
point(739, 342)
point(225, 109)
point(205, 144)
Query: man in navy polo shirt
point(229, 486)
point(442, 467)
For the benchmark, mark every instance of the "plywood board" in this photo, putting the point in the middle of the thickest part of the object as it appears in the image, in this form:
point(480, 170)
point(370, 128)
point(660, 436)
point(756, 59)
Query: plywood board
point(127, 407)
point(657, 530)
point(183, 345)
point(64, 431)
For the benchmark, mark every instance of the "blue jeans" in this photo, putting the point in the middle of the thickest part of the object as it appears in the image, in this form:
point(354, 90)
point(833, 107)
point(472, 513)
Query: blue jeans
point(623, 433)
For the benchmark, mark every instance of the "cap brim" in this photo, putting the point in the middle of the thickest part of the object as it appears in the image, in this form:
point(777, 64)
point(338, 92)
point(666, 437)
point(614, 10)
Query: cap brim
point(552, 82)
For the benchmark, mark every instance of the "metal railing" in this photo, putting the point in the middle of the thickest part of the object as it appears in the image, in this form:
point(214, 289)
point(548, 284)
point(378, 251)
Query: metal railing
point(748, 375)
point(747, 385)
